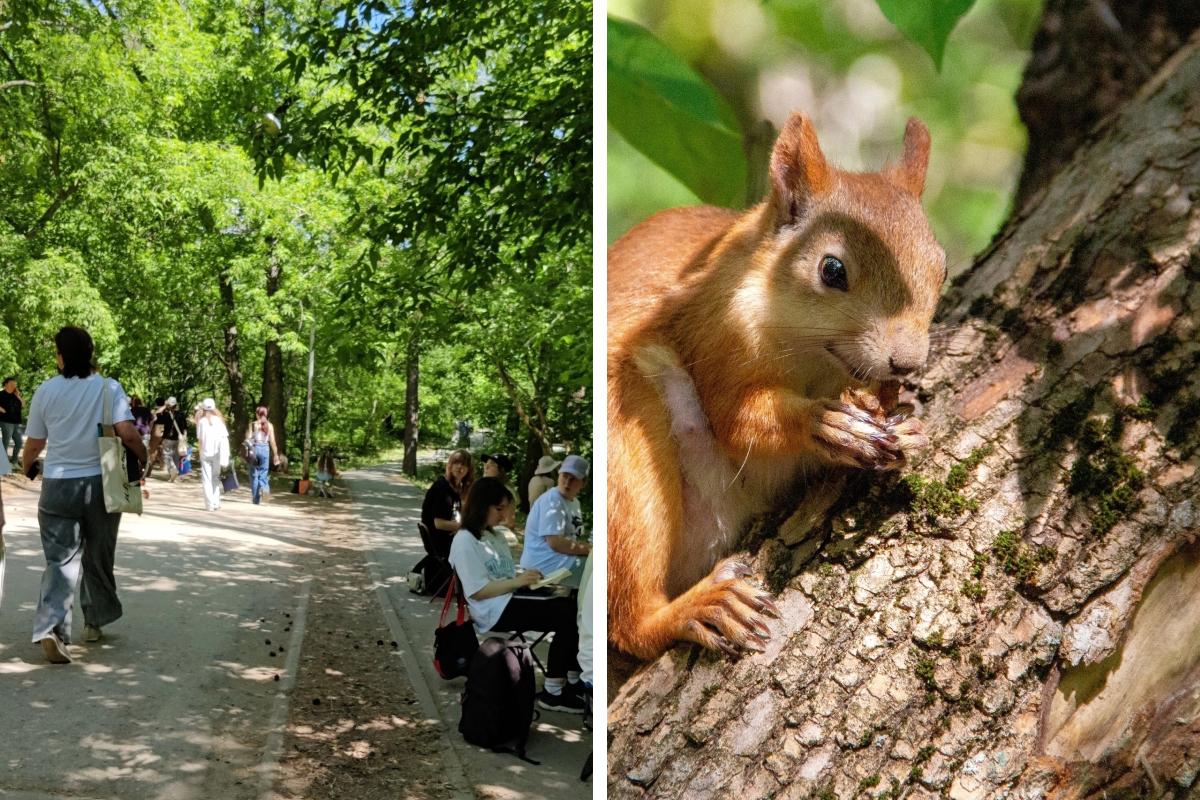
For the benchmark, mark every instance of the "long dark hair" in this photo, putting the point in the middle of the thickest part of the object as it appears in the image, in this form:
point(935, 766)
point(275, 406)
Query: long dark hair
point(76, 348)
point(485, 493)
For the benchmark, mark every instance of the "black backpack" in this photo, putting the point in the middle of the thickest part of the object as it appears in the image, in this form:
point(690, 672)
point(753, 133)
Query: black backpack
point(497, 704)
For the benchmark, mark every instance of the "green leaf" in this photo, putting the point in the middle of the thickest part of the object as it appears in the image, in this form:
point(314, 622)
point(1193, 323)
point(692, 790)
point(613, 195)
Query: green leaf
point(673, 116)
point(926, 22)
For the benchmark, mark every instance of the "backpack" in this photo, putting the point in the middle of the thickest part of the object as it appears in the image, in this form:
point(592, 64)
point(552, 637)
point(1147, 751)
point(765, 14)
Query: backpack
point(497, 703)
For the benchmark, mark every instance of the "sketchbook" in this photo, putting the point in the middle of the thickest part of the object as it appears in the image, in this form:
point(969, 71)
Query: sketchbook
point(553, 577)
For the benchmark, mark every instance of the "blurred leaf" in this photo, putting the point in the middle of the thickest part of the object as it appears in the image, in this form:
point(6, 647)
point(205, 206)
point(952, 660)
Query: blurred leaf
point(926, 22)
point(673, 116)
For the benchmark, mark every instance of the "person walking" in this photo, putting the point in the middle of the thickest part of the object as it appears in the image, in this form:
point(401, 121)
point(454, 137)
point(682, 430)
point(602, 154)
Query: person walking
point(174, 425)
point(78, 533)
point(11, 404)
point(213, 438)
point(261, 437)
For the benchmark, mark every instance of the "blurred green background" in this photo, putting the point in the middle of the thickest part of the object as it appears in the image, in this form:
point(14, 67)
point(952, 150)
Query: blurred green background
point(842, 63)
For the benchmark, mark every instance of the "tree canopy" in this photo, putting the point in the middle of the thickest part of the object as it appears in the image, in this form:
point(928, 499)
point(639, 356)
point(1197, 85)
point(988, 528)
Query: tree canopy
point(202, 184)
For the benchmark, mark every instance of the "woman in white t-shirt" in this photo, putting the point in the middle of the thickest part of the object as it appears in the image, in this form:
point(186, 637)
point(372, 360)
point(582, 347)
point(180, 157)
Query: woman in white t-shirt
point(213, 439)
point(78, 533)
point(484, 564)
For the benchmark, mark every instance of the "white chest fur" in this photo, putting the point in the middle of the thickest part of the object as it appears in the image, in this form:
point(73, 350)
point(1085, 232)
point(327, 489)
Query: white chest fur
point(720, 494)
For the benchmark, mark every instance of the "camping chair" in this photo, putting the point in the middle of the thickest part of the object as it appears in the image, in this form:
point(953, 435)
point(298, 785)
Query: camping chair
point(433, 564)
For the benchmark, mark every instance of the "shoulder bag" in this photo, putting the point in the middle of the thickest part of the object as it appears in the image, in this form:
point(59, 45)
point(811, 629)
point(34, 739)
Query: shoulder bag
point(454, 643)
point(120, 494)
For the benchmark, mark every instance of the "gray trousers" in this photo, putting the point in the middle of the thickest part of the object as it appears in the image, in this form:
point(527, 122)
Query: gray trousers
point(78, 535)
point(10, 435)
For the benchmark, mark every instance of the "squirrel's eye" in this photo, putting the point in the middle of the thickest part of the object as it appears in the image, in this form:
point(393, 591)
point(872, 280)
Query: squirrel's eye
point(833, 274)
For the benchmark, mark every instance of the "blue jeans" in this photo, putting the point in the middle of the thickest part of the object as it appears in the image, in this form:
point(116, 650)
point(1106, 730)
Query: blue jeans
point(260, 473)
point(10, 433)
point(78, 535)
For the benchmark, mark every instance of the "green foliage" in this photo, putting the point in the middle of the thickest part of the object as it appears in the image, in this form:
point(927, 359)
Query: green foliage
point(133, 206)
point(929, 24)
point(847, 67)
point(673, 116)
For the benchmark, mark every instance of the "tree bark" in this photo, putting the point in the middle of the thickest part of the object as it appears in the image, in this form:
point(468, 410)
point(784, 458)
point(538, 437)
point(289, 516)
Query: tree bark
point(273, 388)
point(411, 404)
point(238, 408)
point(1015, 615)
point(1089, 57)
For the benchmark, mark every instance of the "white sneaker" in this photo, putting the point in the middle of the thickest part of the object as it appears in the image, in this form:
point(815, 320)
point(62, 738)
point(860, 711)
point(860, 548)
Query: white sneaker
point(55, 650)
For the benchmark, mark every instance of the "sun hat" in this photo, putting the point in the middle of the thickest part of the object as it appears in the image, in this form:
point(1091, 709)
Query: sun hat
point(208, 404)
point(546, 465)
point(575, 465)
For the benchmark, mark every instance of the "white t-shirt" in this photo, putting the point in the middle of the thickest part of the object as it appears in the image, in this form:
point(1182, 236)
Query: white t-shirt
point(211, 431)
point(478, 562)
point(66, 412)
point(551, 515)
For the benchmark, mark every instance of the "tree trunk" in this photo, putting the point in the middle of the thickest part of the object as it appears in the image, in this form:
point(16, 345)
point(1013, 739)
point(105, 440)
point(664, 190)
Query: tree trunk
point(239, 411)
point(273, 389)
point(1015, 616)
point(1088, 59)
point(411, 405)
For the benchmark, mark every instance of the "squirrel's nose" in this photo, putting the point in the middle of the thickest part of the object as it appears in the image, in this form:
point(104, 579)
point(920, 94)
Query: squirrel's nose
point(902, 367)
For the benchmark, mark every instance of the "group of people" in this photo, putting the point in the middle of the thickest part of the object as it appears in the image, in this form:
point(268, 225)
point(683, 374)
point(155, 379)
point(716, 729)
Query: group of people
point(165, 430)
point(467, 517)
point(78, 533)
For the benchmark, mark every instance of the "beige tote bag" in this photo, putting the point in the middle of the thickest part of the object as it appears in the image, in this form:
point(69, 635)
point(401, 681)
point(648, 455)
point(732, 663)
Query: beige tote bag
point(119, 494)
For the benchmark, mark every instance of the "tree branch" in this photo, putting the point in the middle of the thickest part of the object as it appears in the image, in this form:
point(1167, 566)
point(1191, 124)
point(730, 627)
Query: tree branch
point(12, 84)
point(62, 197)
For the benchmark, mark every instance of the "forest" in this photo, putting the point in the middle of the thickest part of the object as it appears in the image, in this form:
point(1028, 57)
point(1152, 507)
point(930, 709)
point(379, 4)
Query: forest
point(217, 188)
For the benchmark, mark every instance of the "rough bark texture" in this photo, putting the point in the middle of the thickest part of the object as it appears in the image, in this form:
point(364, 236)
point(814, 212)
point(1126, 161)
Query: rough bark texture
point(273, 394)
point(239, 410)
point(411, 405)
point(1014, 617)
point(1089, 57)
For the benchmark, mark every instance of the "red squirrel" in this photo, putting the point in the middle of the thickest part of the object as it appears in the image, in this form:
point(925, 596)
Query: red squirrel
point(745, 349)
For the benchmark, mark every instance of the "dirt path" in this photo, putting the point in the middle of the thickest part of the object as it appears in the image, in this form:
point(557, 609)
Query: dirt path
point(268, 652)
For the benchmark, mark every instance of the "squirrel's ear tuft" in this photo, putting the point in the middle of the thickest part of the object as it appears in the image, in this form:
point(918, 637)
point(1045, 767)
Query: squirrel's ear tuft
point(798, 169)
point(909, 174)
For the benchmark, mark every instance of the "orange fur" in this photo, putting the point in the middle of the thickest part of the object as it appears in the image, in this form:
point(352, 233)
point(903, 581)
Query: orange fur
point(729, 364)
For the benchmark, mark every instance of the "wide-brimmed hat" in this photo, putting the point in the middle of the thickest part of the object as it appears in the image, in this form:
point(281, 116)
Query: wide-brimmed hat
point(576, 465)
point(546, 465)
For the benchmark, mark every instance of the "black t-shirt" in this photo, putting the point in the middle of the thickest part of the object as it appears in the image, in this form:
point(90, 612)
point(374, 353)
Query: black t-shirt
point(10, 407)
point(164, 419)
point(441, 501)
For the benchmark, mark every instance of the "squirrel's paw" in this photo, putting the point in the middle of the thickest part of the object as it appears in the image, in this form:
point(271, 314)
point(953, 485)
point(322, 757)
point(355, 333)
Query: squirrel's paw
point(854, 436)
point(910, 435)
point(725, 613)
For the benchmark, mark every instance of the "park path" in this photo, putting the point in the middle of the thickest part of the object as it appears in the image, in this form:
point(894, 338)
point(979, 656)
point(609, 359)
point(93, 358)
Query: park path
point(237, 623)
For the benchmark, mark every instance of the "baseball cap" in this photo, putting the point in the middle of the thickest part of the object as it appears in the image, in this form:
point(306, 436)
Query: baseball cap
point(208, 404)
point(171, 401)
point(576, 465)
